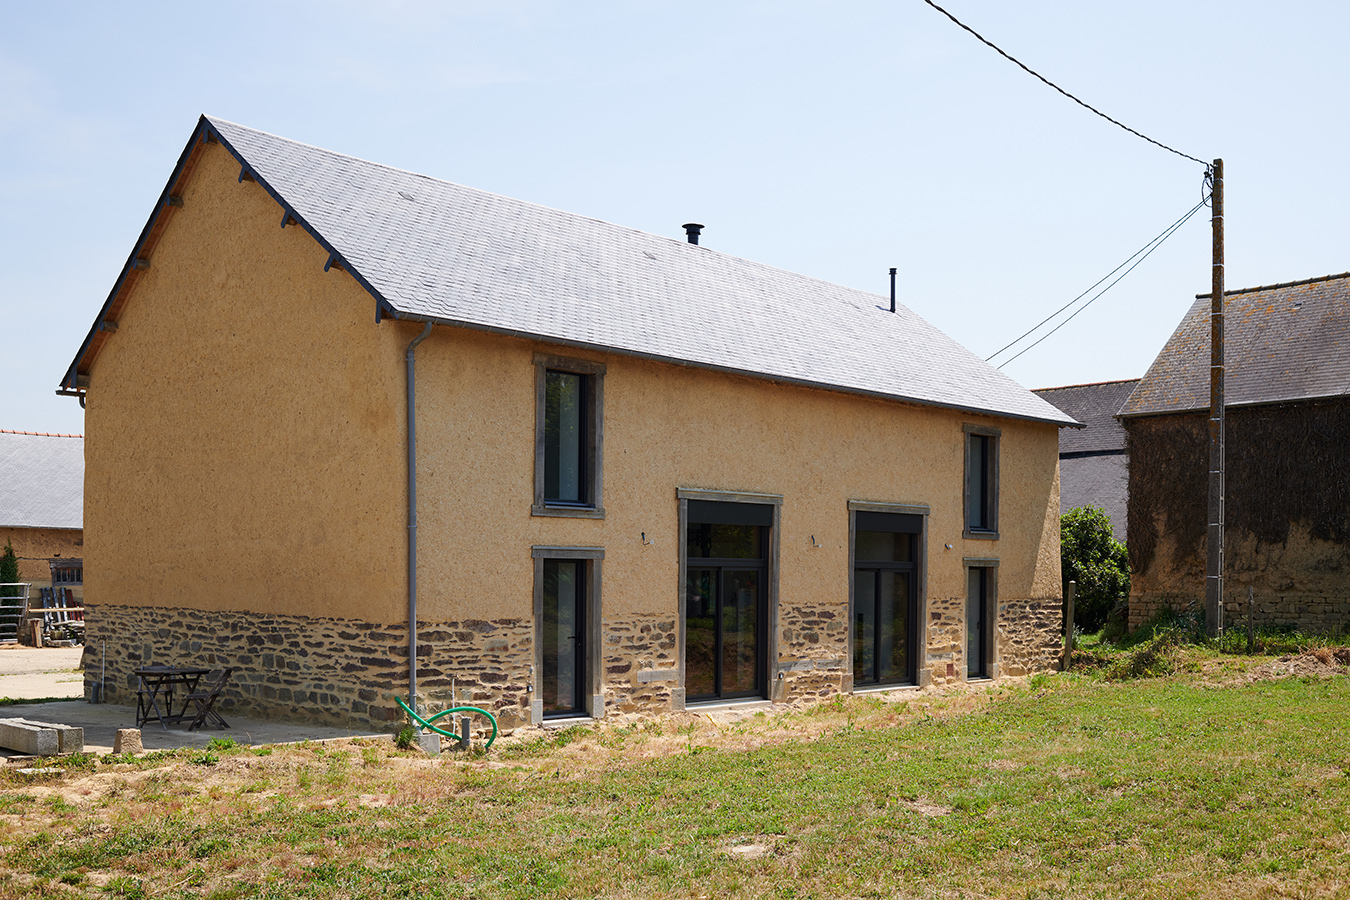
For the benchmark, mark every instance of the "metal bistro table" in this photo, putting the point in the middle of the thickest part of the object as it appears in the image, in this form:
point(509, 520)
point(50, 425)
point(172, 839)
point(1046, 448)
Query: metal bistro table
point(157, 686)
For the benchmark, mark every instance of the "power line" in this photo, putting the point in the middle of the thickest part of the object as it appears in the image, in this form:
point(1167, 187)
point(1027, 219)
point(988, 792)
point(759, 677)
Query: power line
point(1086, 106)
point(1156, 243)
point(1166, 233)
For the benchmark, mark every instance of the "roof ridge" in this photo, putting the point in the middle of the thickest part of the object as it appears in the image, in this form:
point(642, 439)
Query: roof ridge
point(1064, 387)
point(39, 433)
point(1271, 287)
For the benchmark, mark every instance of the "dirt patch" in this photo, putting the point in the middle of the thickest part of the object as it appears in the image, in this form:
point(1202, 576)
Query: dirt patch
point(1324, 662)
point(924, 808)
point(753, 850)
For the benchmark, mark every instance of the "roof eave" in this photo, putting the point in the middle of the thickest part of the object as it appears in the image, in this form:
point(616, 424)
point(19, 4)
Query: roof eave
point(729, 370)
point(69, 382)
point(1246, 404)
point(204, 132)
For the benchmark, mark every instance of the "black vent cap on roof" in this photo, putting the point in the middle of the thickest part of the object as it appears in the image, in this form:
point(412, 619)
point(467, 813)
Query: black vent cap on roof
point(691, 231)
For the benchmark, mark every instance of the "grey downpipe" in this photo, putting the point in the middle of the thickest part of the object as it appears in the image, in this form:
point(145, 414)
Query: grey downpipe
point(412, 518)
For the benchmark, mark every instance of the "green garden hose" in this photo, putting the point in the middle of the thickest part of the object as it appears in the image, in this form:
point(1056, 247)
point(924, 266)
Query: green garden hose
point(427, 723)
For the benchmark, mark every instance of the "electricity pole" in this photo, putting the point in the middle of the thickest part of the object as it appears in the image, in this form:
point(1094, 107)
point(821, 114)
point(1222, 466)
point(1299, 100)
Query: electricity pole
point(1214, 542)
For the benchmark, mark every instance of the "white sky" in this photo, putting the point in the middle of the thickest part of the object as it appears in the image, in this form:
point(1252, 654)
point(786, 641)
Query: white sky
point(834, 139)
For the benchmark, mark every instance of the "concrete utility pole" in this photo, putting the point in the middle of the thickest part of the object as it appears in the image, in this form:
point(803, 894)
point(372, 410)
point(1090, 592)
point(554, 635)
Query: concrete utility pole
point(1214, 542)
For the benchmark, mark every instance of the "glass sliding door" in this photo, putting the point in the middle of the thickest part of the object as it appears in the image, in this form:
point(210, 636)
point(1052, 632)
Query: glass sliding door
point(726, 613)
point(562, 637)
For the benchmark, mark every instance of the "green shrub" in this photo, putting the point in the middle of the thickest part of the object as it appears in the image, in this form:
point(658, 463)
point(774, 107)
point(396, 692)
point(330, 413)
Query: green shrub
point(1154, 657)
point(407, 738)
point(9, 572)
point(1090, 555)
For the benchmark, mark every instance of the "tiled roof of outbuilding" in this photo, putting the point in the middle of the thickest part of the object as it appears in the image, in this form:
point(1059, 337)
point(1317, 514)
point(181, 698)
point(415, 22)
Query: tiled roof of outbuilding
point(41, 480)
point(430, 250)
point(1282, 342)
point(1095, 405)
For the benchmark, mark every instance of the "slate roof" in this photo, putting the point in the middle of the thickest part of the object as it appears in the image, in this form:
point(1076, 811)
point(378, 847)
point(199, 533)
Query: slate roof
point(41, 480)
point(430, 250)
point(1095, 405)
point(1282, 342)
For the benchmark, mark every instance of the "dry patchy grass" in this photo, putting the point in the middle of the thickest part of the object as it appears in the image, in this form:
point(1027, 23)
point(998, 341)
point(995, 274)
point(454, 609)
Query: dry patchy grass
point(1205, 784)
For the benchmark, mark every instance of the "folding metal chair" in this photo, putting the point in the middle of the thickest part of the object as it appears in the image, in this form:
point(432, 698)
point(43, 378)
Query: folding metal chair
point(205, 700)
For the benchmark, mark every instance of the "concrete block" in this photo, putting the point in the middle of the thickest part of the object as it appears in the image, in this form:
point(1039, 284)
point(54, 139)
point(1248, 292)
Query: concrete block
point(29, 739)
point(128, 740)
point(69, 738)
point(430, 742)
point(40, 738)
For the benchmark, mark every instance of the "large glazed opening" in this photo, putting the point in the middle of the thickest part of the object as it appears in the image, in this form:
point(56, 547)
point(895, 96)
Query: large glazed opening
point(726, 600)
point(885, 607)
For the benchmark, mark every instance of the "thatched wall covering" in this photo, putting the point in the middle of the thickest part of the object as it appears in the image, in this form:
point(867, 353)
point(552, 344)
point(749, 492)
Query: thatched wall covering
point(1287, 509)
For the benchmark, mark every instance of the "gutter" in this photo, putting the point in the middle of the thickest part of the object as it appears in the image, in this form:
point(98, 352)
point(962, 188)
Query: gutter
point(1064, 421)
point(412, 519)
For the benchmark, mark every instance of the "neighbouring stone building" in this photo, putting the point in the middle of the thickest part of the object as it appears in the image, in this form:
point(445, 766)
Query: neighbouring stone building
point(42, 506)
point(1093, 467)
point(637, 475)
point(1287, 470)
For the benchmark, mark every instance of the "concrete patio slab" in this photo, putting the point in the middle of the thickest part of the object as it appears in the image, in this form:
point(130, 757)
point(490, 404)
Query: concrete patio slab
point(100, 722)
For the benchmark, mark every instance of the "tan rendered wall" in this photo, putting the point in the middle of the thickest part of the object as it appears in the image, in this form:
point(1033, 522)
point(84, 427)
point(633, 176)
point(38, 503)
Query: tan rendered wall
point(244, 423)
point(669, 427)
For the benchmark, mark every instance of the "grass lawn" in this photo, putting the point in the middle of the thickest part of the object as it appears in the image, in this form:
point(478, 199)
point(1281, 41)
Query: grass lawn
point(1195, 785)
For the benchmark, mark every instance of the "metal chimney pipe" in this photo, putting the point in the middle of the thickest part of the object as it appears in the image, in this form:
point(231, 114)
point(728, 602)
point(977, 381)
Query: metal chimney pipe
point(892, 288)
point(691, 231)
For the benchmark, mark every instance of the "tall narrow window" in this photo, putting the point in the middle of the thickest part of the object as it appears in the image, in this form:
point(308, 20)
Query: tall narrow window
point(726, 609)
point(885, 609)
point(567, 619)
point(565, 438)
point(569, 437)
point(981, 487)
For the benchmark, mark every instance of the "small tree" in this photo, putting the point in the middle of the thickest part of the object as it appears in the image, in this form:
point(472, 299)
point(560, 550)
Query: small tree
point(1090, 555)
point(9, 571)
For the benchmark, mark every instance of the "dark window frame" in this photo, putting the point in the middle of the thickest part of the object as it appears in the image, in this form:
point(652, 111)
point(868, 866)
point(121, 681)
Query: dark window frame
point(989, 566)
point(988, 529)
point(592, 507)
point(66, 571)
point(768, 650)
point(593, 694)
point(923, 675)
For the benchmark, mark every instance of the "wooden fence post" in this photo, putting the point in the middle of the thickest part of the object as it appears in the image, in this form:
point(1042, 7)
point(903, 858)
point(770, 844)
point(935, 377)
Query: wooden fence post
point(1068, 625)
point(1251, 619)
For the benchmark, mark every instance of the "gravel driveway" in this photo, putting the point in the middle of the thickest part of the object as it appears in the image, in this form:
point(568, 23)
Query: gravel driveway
point(27, 673)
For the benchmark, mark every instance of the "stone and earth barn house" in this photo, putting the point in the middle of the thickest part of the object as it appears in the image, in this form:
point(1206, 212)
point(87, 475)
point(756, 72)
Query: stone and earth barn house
point(42, 505)
point(1287, 470)
point(646, 475)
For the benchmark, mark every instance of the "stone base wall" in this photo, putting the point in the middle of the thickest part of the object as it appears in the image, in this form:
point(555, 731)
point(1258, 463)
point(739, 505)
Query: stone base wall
point(814, 661)
point(945, 660)
point(1030, 635)
point(350, 673)
point(1311, 613)
point(639, 664)
point(329, 671)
